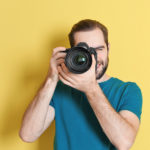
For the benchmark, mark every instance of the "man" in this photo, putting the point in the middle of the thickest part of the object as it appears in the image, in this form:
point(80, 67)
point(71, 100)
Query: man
point(91, 110)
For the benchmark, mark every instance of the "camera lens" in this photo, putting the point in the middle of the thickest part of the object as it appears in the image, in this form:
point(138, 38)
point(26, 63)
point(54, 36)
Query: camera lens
point(80, 59)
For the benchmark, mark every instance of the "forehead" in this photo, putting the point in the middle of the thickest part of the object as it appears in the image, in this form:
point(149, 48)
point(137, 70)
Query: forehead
point(93, 38)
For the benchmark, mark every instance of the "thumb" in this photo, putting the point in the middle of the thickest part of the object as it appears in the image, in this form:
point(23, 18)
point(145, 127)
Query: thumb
point(93, 60)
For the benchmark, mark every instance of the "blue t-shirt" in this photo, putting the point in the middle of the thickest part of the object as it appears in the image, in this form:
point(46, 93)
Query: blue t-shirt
point(77, 127)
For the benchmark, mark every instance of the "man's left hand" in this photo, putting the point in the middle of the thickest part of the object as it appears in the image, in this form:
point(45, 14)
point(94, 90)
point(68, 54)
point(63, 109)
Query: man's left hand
point(83, 82)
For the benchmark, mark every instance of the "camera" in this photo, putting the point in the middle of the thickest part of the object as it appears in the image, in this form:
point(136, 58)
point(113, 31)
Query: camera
point(78, 58)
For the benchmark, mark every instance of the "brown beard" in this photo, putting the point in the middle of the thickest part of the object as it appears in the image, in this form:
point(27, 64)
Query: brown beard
point(99, 75)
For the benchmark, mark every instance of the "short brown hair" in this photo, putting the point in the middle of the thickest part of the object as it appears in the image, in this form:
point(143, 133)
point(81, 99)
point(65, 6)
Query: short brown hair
point(87, 25)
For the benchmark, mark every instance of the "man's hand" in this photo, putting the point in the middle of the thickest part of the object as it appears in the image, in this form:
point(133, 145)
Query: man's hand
point(83, 82)
point(56, 59)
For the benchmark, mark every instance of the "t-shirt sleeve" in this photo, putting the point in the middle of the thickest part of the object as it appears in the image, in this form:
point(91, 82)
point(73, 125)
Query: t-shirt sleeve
point(52, 101)
point(132, 99)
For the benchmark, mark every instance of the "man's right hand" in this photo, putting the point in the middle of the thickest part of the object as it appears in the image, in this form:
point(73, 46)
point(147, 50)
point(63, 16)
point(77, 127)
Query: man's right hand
point(57, 58)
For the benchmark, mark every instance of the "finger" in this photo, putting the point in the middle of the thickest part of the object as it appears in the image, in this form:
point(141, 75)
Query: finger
point(64, 68)
point(93, 63)
point(58, 49)
point(59, 55)
point(63, 80)
point(60, 61)
point(64, 75)
point(93, 60)
point(66, 71)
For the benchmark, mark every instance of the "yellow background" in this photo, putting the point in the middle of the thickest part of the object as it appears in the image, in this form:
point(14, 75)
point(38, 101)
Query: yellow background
point(30, 29)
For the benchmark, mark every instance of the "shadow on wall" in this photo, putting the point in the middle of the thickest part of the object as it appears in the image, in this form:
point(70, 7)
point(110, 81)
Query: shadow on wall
point(21, 94)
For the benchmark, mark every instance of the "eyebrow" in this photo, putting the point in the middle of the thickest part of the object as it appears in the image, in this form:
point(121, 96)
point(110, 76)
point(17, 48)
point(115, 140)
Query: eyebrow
point(99, 47)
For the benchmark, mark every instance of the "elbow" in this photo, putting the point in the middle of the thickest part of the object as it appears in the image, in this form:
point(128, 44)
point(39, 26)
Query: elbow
point(27, 139)
point(126, 141)
point(125, 145)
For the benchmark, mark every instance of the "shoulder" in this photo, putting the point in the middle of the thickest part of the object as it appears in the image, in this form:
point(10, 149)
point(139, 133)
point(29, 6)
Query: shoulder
point(126, 85)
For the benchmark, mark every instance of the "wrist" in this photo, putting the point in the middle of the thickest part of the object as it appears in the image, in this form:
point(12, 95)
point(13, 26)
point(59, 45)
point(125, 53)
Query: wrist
point(51, 79)
point(52, 76)
point(92, 89)
point(49, 83)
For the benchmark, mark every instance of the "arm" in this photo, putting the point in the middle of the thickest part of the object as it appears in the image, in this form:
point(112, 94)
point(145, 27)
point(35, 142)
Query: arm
point(39, 113)
point(120, 128)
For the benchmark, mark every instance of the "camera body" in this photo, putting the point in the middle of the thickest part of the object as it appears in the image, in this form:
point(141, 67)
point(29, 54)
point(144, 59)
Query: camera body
point(78, 58)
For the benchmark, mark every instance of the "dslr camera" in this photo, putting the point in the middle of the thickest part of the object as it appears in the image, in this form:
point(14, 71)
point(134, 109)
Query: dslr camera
point(78, 58)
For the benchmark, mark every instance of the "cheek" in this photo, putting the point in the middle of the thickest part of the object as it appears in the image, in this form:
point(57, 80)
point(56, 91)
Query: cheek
point(101, 57)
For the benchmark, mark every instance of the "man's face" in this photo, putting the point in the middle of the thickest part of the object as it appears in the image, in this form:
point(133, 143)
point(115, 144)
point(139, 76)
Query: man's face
point(95, 39)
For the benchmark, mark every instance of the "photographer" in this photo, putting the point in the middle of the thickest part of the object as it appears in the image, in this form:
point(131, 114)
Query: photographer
point(91, 110)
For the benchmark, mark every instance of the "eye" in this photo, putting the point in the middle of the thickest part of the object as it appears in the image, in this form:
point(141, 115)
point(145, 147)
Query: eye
point(99, 49)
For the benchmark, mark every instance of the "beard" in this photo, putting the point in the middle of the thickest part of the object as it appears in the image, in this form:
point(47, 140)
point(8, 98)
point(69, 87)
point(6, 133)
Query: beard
point(100, 73)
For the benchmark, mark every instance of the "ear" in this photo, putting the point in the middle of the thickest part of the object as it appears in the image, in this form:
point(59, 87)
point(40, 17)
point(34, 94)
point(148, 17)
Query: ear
point(108, 47)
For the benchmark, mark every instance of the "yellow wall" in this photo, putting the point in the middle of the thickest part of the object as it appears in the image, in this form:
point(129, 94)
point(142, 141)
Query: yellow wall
point(30, 29)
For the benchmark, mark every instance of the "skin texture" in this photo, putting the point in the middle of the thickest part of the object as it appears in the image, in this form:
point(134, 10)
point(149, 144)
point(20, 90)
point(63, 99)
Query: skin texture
point(121, 128)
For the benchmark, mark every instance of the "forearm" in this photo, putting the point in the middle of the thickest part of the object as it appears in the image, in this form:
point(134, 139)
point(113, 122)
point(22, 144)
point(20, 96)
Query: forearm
point(35, 115)
point(117, 129)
